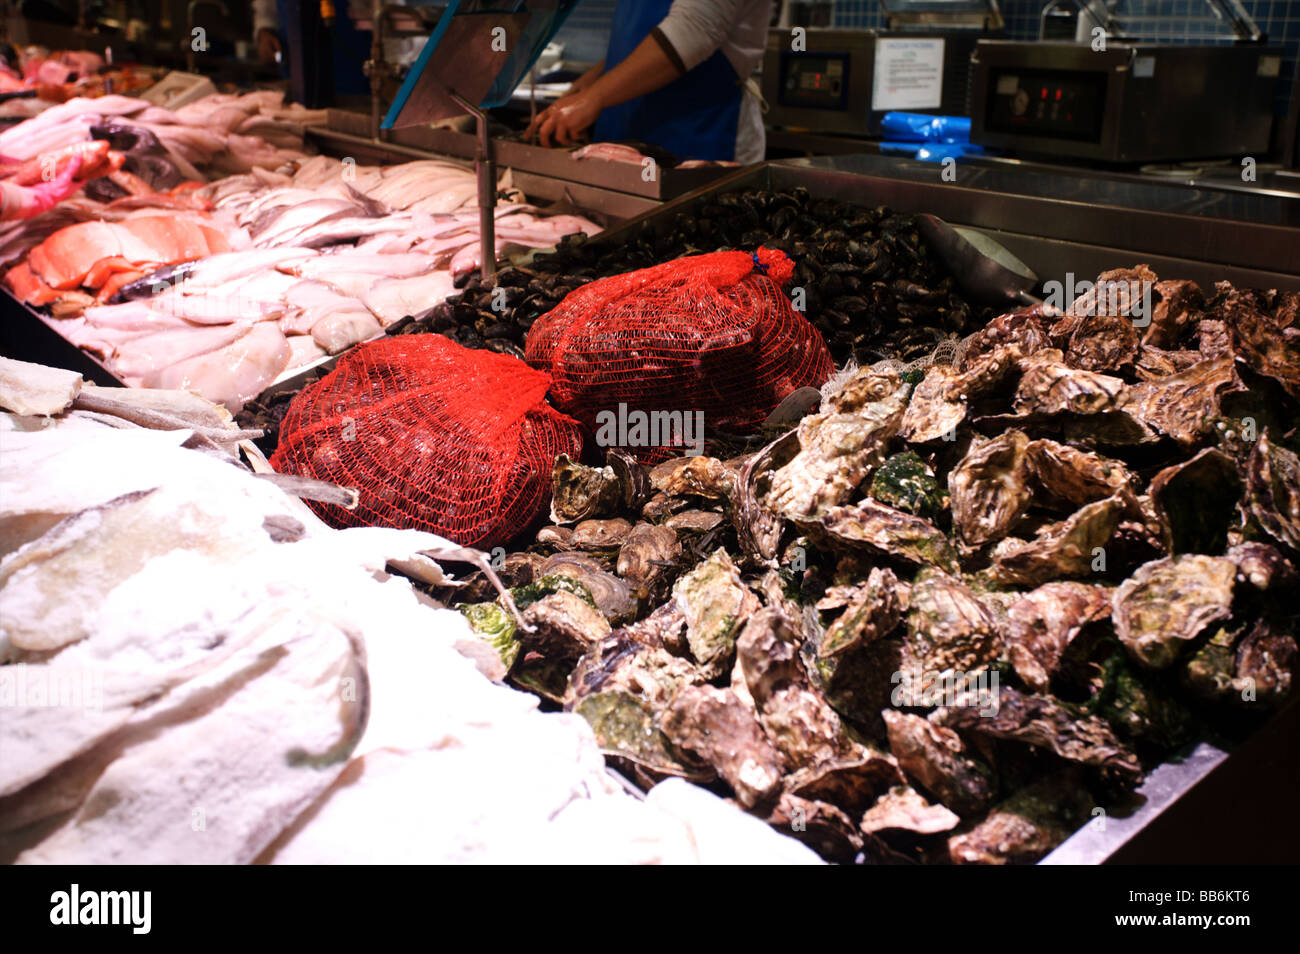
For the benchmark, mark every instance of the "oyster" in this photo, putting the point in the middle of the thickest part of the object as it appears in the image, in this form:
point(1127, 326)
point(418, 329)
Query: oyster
point(579, 492)
point(1107, 429)
point(873, 610)
point(839, 445)
point(620, 663)
point(903, 808)
point(704, 477)
point(802, 726)
point(905, 482)
point(1179, 309)
point(1118, 292)
point(851, 782)
point(1137, 711)
point(1270, 344)
point(767, 656)
point(610, 594)
point(1043, 622)
point(1046, 723)
point(949, 628)
point(1103, 343)
point(625, 728)
point(1155, 363)
point(1065, 549)
point(937, 760)
point(1026, 328)
point(1166, 603)
point(1027, 825)
point(601, 534)
point(495, 624)
point(1273, 491)
point(555, 538)
point(1256, 668)
point(1050, 386)
point(1195, 502)
point(694, 521)
point(989, 488)
point(664, 628)
point(934, 411)
point(758, 529)
point(884, 529)
point(821, 826)
point(1181, 405)
point(565, 626)
point(716, 604)
point(1214, 338)
point(1075, 477)
point(716, 726)
point(648, 558)
point(1262, 566)
point(517, 569)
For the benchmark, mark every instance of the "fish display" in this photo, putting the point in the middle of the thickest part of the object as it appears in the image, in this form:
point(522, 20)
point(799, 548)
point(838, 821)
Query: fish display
point(956, 610)
point(257, 273)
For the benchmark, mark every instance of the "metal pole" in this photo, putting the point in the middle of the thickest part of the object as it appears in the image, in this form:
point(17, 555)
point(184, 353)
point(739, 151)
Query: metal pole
point(487, 187)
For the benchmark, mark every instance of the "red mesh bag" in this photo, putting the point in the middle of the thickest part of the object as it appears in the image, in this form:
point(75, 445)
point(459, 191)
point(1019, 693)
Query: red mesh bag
point(434, 437)
point(711, 333)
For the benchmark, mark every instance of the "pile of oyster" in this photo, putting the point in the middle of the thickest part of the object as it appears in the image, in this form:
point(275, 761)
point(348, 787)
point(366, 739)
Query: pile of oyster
point(951, 613)
point(868, 280)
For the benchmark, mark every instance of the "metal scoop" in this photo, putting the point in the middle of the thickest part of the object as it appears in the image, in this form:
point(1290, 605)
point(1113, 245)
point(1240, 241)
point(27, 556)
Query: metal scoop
point(984, 269)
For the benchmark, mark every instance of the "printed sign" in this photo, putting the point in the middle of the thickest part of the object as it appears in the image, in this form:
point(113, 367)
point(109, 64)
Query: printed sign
point(909, 74)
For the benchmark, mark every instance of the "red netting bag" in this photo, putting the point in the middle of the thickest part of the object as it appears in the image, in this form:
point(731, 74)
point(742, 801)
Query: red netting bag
point(712, 333)
point(434, 437)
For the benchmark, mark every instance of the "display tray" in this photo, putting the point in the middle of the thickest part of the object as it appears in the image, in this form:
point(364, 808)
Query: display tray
point(624, 177)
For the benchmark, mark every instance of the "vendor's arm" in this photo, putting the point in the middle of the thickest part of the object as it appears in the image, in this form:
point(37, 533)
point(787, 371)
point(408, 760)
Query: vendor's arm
point(685, 38)
point(266, 26)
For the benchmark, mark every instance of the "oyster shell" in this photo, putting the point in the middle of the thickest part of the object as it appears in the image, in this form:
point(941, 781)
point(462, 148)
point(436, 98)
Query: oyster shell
point(767, 656)
point(906, 482)
point(717, 727)
point(704, 477)
point(1195, 502)
point(819, 825)
point(1042, 623)
point(1181, 405)
point(1262, 566)
point(1045, 723)
point(851, 782)
point(1270, 344)
point(936, 759)
point(694, 521)
point(1166, 603)
point(1107, 429)
point(1064, 549)
point(903, 808)
point(873, 610)
point(1026, 328)
point(495, 624)
point(889, 531)
point(1050, 386)
point(716, 604)
point(555, 538)
point(1273, 491)
point(1179, 309)
point(1113, 293)
point(564, 626)
point(1068, 475)
point(1255, 669)
point(758, 529)
point(664, 628)
point(839, 445)
point(517, 569)
point(948, 628)
point(625, 728)
point(1139, 712)
point(934, 410)
point(648, 559)
point(1027, 825)
point(805, 729)
point(601, 535)
point(619, 662)
point(1214, 338)
point(989, 488)
point(1155, 363)
point(610, 594)
point(579, 492)
point(1103, 343)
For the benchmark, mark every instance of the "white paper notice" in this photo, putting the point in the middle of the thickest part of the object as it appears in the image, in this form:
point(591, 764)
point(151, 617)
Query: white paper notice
point(909, 74)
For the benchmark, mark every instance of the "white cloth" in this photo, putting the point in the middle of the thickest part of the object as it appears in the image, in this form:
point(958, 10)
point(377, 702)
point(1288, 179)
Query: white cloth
point(696, 28)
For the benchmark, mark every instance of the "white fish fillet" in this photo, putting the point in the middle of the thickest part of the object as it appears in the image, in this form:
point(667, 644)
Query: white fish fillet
point(392, 299)
point(343, 329)
point(232, 374)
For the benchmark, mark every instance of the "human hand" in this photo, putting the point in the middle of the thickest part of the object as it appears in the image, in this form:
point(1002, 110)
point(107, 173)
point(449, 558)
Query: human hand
point(268, 44)
point(566, 119)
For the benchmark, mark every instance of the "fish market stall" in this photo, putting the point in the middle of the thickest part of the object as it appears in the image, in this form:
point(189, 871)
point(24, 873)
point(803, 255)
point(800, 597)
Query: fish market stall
point(1012, 570)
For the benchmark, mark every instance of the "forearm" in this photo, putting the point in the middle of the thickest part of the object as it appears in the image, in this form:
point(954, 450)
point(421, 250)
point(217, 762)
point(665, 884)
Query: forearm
point(646, 69)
